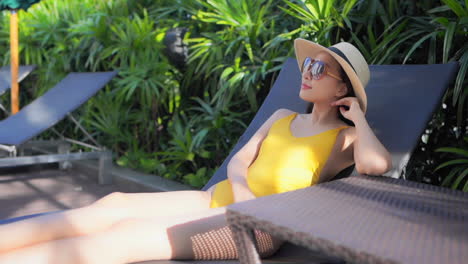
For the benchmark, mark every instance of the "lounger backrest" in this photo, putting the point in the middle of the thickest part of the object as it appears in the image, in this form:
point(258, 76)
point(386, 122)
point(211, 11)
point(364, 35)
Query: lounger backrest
point(5, 76)
point(53, 106)
point(401, 101)
point(283, 94)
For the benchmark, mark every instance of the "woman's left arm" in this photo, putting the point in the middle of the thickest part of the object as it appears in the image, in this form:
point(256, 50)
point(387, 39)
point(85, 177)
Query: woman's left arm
point(370, 156)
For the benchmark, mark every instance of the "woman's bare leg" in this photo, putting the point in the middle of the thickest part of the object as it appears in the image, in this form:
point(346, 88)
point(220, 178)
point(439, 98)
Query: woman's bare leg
point(198, 235)
point(99, 216)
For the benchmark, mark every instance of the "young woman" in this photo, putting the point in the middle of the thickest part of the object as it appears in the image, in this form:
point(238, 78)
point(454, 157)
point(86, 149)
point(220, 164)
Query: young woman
point(289, 151)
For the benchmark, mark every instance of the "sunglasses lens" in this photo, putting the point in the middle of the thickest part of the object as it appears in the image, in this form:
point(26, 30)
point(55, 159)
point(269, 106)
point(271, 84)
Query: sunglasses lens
point(317, 69)
point(306, 64)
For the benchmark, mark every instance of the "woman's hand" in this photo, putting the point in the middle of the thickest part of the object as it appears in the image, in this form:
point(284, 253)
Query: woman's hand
point(370, 156)
point(354, 112)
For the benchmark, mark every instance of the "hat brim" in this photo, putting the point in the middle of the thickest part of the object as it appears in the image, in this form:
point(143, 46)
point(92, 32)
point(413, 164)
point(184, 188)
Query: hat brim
point(305, 48)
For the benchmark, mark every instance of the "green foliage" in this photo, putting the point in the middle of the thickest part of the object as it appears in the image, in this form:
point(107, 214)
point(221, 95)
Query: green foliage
point(460, 171)
point(319, 18)
point(109, 119)
point(199, 178)
point(451, 32)
point(229, 52)
point(200, 137)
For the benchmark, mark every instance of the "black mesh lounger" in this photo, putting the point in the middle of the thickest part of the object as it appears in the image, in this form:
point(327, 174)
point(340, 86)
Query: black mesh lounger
point(17, 130)
point(401, 101)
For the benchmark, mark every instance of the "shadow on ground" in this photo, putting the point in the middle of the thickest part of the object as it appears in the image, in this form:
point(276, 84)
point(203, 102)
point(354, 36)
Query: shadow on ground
point(37, 189)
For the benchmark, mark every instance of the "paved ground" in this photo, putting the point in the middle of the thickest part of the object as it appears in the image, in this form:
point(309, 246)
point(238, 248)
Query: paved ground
point(32, 190)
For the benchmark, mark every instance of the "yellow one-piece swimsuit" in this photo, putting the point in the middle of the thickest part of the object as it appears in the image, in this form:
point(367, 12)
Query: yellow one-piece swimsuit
point(284, 162)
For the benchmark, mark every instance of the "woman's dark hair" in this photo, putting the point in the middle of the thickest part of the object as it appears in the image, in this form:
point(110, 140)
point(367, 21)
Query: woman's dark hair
point(350, 93)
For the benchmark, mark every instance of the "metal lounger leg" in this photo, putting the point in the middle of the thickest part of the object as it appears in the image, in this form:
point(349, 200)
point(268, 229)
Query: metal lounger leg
point(105, 164)
point(64, 148)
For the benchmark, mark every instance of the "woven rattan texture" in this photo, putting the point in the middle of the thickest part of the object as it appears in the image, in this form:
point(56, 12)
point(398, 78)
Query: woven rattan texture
point(366, 219)
point(219, 244)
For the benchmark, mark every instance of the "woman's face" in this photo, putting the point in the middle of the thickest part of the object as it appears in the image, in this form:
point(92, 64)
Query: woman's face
point(327, 89)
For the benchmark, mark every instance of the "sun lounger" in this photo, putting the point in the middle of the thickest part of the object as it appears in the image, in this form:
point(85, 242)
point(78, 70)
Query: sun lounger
point(17, 130)
point(401, 100)
point(5, 78)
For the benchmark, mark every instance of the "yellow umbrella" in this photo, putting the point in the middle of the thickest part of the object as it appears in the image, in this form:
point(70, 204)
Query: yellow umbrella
point(14, 6)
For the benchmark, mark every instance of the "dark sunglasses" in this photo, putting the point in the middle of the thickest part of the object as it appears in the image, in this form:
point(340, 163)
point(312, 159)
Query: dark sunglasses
point(317, 68)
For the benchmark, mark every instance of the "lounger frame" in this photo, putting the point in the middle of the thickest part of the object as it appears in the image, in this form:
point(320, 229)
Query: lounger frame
point(68, 95)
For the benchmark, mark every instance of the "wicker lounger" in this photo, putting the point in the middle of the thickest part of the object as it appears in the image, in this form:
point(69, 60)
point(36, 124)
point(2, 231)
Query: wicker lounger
point(362, 219)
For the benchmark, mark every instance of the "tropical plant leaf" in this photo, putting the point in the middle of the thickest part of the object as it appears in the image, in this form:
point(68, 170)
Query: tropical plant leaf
point(452, 162)
point(465, 188)
point(417, 44)
point(460, 76)
point(456, 7)
point(449, 177)
point(449, 33)
point(459, 178)
point(453, 150)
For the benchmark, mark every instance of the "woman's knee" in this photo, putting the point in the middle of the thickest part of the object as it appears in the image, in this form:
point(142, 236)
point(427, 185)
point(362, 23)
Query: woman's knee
point(115, 198)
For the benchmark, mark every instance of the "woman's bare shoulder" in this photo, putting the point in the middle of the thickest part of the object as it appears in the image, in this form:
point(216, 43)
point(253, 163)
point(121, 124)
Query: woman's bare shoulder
point(249, 151)
point(280, 113)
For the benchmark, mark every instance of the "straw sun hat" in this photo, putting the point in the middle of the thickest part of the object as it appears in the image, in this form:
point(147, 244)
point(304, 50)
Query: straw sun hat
point(348, 56)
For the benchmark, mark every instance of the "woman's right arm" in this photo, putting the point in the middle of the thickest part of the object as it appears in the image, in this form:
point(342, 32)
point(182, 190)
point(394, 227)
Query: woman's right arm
point(240, 162)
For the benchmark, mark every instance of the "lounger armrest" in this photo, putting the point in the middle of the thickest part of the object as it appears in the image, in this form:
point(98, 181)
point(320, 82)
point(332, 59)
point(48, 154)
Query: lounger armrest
point(350, 219)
